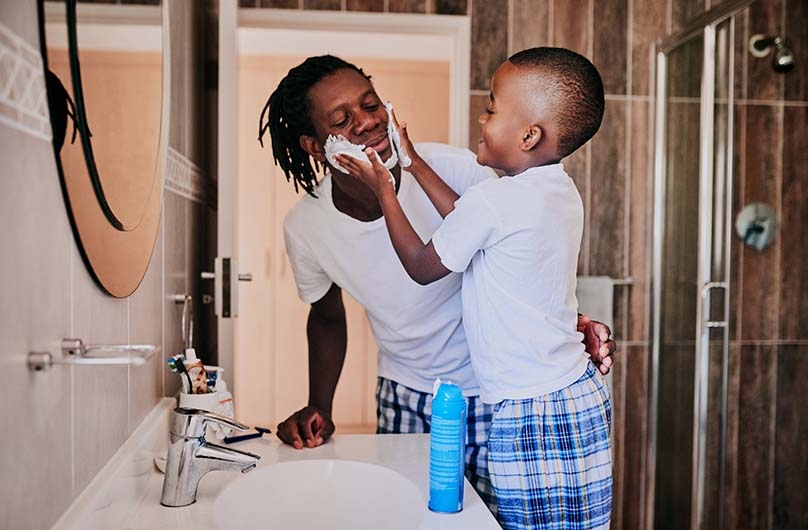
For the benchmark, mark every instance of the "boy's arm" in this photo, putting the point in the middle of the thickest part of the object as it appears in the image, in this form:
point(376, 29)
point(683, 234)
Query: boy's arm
point(420, 261)
point(441, 195)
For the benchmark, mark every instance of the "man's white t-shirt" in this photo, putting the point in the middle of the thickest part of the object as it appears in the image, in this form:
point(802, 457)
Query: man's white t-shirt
point(517, 239)
point(417, 328)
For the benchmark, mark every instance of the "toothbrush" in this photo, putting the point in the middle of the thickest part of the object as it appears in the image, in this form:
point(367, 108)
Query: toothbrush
point(181, 369)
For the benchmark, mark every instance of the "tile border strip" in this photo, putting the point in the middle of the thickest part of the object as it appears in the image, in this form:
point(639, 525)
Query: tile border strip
point(23, 97)
point(186, 179)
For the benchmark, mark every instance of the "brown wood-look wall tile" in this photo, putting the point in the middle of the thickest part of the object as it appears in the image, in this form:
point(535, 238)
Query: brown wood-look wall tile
point(450, 7)
point(571, 25)
point(575, 166)
point(640, 221)
point(742, 54)
point(477, 105)
point(279, 4)
point(329, 5)
point(406, 6)
point(713, 438)
point(489, 40)
point(635, 436)
point(607, 184)
point(618, 401)
point(738, 179)
point(755, 437)
point(791, 440)
point(793, 231)
point(796, 33)
point(610, 43)
point(764, 82)
point(733, 428)
point(760, 276)
point(649, 21)
point(531, 24)
point(683, 11)
point(376, 6)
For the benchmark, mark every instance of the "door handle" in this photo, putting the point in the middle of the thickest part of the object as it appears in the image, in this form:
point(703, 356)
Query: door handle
point(225, 288)
point(706, 292)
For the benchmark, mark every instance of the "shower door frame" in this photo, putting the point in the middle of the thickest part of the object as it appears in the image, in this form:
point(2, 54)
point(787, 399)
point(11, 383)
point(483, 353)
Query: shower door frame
point(705, 26)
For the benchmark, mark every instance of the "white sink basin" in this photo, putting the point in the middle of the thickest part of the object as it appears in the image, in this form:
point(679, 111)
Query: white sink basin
point(321, 494)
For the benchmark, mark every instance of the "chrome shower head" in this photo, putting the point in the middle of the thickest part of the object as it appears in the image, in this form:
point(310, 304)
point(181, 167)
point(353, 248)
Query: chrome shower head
point(761, 45)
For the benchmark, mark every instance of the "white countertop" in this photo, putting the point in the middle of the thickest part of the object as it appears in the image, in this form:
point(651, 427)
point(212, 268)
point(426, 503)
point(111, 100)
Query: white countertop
point(125, 495)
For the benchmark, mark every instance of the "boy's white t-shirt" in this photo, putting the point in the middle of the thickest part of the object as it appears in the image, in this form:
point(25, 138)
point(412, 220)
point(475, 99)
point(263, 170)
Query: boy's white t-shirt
point(417, 328)
point(517, 239)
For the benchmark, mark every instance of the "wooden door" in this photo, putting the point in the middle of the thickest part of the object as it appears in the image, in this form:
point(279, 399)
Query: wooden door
point(271, 364)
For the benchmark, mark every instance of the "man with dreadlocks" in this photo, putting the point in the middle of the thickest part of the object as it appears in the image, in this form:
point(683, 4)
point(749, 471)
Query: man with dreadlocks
point(336, 239)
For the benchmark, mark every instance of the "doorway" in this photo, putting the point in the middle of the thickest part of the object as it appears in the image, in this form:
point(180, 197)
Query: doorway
point(414, 69)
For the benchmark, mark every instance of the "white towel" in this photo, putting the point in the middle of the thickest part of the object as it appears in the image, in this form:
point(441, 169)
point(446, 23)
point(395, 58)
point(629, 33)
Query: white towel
point(596, 298)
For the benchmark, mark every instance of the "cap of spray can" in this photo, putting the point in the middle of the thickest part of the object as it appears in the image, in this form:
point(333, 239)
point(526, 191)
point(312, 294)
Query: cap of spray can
point(447, 448)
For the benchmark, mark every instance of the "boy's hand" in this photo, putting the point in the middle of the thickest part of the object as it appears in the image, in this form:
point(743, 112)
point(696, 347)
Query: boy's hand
point(374, 175)
point(406, 143)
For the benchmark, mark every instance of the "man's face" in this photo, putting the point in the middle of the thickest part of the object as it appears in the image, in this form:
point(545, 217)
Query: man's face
point(345, 103)
point(504, 120)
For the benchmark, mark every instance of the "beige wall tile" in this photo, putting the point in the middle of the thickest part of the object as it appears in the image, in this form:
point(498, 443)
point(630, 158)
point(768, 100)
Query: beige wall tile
point(35, 455)
point(100, 393)
point(146, 327)
point(176, 282)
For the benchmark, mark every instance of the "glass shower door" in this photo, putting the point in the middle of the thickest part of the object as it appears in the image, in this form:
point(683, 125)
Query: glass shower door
point(692, 199)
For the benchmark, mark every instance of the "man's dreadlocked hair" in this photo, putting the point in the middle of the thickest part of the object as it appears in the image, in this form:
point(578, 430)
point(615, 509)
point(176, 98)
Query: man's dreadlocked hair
point(288, 119)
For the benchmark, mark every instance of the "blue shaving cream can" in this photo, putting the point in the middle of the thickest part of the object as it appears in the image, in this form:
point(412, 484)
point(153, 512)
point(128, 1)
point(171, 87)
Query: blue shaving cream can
point(447, 449)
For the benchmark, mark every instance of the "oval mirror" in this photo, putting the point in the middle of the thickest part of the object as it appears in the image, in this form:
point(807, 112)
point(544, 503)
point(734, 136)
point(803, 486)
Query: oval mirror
point(107, 88)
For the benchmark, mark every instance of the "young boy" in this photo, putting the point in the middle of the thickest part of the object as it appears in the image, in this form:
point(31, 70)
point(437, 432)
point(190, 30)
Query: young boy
point(516, 239)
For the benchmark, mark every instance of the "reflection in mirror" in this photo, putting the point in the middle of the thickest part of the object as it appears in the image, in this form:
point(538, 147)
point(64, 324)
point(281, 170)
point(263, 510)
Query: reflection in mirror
point(107, 72)
point(118, 82)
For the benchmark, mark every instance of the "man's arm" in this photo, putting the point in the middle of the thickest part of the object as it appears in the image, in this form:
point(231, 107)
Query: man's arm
point(597, 342)
point(328, 339)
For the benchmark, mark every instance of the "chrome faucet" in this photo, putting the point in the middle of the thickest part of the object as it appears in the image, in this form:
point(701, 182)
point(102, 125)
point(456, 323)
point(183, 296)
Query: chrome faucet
point(191, 457)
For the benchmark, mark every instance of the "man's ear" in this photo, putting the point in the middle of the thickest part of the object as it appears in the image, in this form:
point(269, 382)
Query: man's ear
point(531, 136)
point(312, 146)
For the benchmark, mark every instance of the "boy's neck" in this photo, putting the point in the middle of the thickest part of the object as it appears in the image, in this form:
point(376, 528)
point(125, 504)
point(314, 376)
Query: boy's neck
point(538, 162)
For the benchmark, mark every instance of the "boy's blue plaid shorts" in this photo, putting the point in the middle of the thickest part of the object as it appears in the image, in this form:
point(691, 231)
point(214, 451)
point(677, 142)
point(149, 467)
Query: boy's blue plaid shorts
point(402, 410)
point(550, 461)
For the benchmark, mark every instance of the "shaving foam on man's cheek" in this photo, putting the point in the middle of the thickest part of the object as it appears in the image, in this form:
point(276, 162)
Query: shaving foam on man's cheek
point(339, 145)
point(395, 138)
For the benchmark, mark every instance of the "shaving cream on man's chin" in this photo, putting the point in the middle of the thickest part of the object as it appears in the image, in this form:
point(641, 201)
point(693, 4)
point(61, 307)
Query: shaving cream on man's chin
point(339, 145)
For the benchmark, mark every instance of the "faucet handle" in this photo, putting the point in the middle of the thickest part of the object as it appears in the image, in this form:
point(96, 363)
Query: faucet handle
point(191, 423)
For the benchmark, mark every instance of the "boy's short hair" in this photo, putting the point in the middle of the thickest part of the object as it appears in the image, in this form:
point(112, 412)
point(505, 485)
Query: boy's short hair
point(576, 89)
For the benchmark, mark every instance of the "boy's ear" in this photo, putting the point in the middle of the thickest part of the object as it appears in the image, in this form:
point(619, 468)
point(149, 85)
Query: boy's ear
point(531, 136)
point(312, 146)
